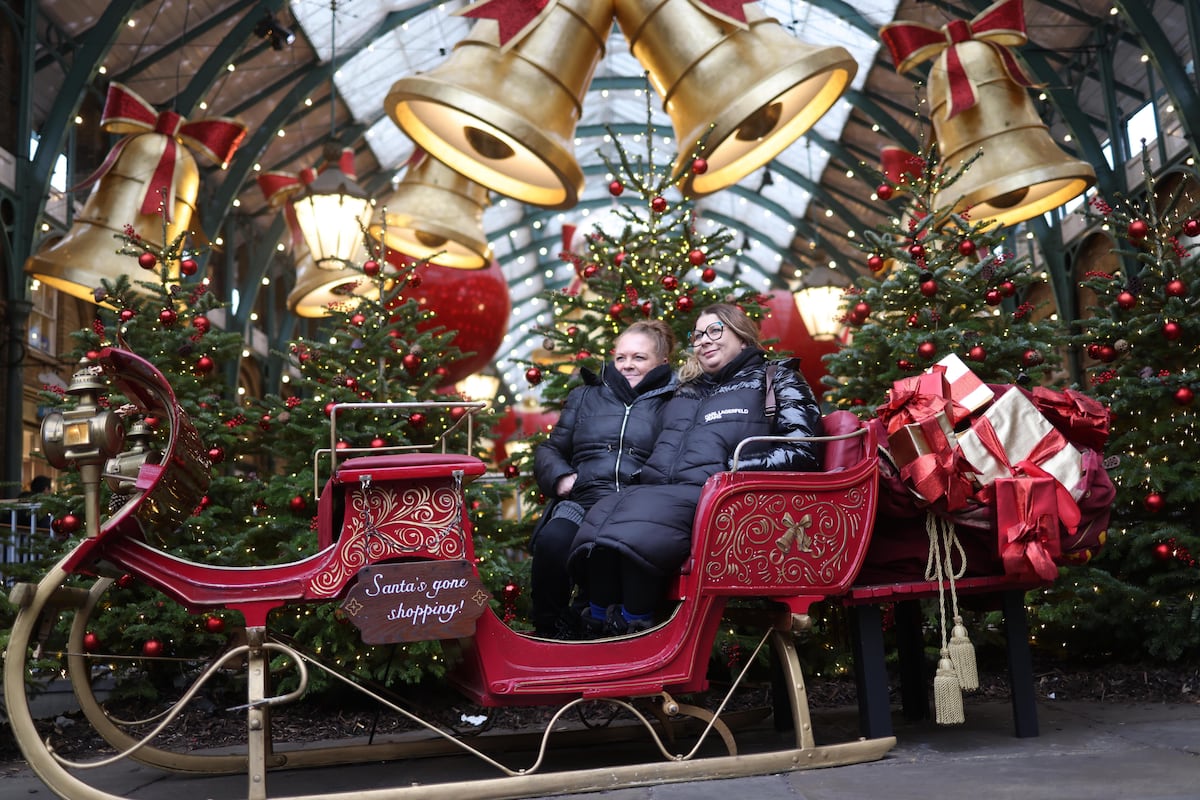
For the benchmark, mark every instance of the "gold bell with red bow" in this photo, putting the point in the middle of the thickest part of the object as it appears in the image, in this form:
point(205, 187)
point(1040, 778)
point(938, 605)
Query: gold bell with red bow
point(148, 184)
point(980, 106)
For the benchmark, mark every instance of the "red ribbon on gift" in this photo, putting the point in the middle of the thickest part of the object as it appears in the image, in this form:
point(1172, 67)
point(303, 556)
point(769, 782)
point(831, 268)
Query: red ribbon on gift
point(1068, 509)
point(1084, 420)
point(125, 112)
point(281, 187)
point(919, 397)
point(1000, 26)
point(939, 473)
point(1027, 518)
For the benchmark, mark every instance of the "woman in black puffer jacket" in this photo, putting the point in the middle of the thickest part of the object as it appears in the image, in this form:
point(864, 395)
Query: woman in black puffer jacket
point(628, 544)
point(603, 436)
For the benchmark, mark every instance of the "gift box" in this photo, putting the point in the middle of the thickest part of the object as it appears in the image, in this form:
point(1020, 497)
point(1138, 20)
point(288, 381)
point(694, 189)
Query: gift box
point(1027, 523)
point(966, 388)
point(930, 435)
point(1012, 431)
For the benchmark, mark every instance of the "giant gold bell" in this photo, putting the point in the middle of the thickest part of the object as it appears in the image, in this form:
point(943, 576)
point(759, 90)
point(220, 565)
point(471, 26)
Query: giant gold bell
point(506, 117)
point(436, 214)
point(1022, 172)
point(88, 252)
point(318, 290)
point(751, 90)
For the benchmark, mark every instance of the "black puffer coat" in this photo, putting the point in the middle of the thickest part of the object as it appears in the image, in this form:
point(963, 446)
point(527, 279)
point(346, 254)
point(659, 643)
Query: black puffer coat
point(652, 522)
point(604, 433)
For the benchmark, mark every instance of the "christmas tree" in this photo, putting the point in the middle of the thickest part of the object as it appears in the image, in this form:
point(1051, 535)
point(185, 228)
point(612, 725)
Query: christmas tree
point(1142, 342)
point(941, 283)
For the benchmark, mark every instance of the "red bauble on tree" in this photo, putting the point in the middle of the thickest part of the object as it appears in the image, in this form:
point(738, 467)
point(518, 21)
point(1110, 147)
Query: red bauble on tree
point(357, 319)
point(860, 312)
point(699, 166)
point(68, 524)
point(297, 504)
point(370, 268)
point(214, 624)
point(1106, 353)
point(215, 455)
point(875, 263)
point(411, 362)
point(904, 364)
point(1154, 502)
point(708, 275)
point(927, 350)
point(670, 283)
point(379, 442)
point(1184, 396)
point(1162, 551)
point(1173, 331)
point(1138, 229)
point(204, 365)
point(695, 257)
point(977, 353)
point(152, 648)
point(1176, 288)
point(884, 191)
point(616, 188)
point(1191, 227)
point(1031, 358)
point(168, 317)
point(684, 304)
point(417, 420)
point(615, 309)
point(993, 297)
point(126, 314)
point(658, 204)
point(916, 250)
point(512, 471)
point(91, 642)
point(966, 248)
point(147, 261)
point(1126, 300)
point(189, 266)
point(1007, 288)
point(533, 375)
point(929, 288)
point(201, 324)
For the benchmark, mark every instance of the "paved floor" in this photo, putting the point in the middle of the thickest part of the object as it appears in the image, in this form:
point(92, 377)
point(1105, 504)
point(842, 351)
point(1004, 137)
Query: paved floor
point(1086, 751)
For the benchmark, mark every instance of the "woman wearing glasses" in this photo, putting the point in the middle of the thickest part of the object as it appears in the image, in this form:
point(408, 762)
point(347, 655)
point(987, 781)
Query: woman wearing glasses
point(629, 544)
point(604, 434)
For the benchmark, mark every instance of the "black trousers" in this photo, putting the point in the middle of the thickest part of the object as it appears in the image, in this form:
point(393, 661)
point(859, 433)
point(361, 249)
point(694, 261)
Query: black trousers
point(550, 585)
point(615, 579)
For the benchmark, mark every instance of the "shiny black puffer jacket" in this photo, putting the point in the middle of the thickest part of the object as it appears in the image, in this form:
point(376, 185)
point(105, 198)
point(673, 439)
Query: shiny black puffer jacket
point(604, 433)
point(652, 522)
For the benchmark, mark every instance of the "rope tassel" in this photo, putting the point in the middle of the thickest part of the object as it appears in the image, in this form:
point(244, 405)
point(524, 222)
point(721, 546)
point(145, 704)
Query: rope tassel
point(947, 695)
point(962, 654)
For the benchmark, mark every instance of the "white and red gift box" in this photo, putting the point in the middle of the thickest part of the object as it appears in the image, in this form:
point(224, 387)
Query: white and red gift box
point(966, 388)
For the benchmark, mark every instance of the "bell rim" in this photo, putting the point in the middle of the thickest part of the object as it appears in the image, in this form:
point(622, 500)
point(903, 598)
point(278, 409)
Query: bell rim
point(467, 253)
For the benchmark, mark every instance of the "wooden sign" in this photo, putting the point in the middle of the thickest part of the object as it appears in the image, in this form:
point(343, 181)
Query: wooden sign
point(415, 602)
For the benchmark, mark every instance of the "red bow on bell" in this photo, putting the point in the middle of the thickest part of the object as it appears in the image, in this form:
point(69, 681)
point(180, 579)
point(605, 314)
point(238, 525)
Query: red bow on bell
point(279, 187)
point(898, 165)
point(126, 112)
point(1000, 26)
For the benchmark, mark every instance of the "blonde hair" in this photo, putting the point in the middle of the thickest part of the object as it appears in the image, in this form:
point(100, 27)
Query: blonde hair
point(735, 321)
point(658, 332)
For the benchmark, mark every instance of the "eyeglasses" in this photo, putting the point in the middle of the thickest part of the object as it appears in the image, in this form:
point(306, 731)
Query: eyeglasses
point(713, 332)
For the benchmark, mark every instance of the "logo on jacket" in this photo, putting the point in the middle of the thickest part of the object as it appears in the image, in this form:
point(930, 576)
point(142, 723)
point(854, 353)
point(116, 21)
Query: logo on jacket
point(714, 416)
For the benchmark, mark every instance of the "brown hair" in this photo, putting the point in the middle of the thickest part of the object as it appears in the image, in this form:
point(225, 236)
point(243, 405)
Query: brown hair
point(659, 332)
point(737, 323)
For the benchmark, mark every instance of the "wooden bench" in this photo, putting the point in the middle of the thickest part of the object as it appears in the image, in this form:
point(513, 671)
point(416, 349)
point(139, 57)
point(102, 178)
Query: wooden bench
point(870, 671)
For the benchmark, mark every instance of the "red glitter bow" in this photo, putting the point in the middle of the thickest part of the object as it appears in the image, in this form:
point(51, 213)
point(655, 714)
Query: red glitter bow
point(1000, 26)
point(898, 165)
point(279, 187)
point(515, 17)
point(125, 112)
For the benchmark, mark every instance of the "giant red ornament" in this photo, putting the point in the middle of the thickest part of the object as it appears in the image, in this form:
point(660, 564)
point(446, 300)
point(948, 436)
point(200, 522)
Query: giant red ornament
point(875, 262)
point(1184, 396)
point(69, 523)
point(475, 303)
point(670, 283)
point(370, 268)
point(168, 317)
point(696, 257)
point(616, 188)
point(411, 362)
point(993, 297)
point(126, 314)
point(204, 365)
point(782, 321)
point(966, 248)
point(658, 204)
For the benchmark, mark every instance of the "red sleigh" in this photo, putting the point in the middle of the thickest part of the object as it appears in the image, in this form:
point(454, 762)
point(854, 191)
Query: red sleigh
point(787, 539)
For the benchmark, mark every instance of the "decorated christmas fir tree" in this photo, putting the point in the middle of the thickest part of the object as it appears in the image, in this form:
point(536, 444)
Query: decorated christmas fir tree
point(1142, 342)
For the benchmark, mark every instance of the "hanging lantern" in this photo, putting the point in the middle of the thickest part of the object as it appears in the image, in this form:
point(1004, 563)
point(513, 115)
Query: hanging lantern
point(436, 214)
point(333, 211)
point(149, 182)
point(979, 102)
point(819, 307)
point(734, 77)
point(502, 108)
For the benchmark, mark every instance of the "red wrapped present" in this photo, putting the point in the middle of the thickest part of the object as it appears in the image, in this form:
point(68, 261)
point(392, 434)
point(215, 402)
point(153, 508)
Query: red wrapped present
point(1082, 419)
point(1011, 434)
point(930, 435)
point(966, 388)
point(1027, 522)
point(917, 397)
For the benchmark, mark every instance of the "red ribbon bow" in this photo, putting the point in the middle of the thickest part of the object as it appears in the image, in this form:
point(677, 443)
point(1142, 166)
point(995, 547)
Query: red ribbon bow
point(898, 165)
point(1000, 26)
point(125, 112)
point(515, 18)
point(279, 187)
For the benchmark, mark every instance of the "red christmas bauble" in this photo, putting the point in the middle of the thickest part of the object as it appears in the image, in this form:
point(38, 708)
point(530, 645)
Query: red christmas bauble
point(201, 324)
point(993, 297)
point(670, 283)
point(370, 268)
point(619, 258)
point(1007, 288)
point(708, 275)
point(916, 250)
point(1107, 353)
point(1176, 288)
point(1172, 330)
point(1184, 396)
point(341, 445)
point(188, 266)
point(684, 303)
point(214, 624)
point(152, 648)
point(126, 314)
point(168, 317)
point(913, 320)
point(966, 248)
point(357, 319)
point(204, 365)
point(533, 375)
point(977, 353)
point(1138, 229)
point(1191, 227)
point(696, 257)
point(658, 204)
point(616, 188)
point(647, 308)
point(929, 288)
point(884, 191)
point(147, 261)
point(511, 591)
point(215, 455)
point(590, 271)
point(377, 443)
point(412, 280)
point(350, 382)
point(297, 503)
point(1154, 502)
point(69, 524)
point(473, 303)
point(512, 471)
point(329, 409)
point(417, 420)
point(1126, 300)
point(699, 166)
point(904, 364)
point(411, 362)
point(875, 262)
point(615, 309)
point(1031, 358)
point(1162, 551)
point(861, 311)
point(927, 350)
point(127, 580)
point(91, 642)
